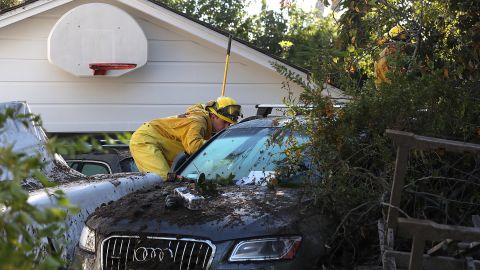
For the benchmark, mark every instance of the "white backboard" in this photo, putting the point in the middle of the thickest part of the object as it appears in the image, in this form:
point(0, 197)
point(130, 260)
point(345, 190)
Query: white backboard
point(97, 33)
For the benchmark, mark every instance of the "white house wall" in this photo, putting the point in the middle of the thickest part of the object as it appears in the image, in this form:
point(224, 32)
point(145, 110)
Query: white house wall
point(181, 70)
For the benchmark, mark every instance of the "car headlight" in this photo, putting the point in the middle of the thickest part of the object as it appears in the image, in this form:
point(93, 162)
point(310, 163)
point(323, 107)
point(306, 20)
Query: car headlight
point(275, 248)
point(87, 239)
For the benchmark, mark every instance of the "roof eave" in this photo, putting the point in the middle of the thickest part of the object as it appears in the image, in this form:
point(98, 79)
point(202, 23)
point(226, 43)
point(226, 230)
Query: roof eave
point(28, 9)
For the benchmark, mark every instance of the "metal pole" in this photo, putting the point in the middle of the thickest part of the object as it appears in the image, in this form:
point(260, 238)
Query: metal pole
point(226, 65)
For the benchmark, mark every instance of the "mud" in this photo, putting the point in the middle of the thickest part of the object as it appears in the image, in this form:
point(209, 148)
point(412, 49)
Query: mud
point(231, 206)
point(61, 174)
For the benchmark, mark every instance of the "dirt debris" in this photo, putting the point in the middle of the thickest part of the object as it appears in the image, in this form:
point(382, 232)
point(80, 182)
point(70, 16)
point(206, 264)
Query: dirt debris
point(63, 175)
point(232, 205)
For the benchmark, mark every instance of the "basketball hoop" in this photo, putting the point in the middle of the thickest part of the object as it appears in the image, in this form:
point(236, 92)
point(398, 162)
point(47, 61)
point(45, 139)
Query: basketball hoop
point(102, 68)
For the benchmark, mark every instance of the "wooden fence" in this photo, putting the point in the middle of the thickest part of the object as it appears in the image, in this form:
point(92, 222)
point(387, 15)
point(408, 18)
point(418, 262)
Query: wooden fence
point(467, 239)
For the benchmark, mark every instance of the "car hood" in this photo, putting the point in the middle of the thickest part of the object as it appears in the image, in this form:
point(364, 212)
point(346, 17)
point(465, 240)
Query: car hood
point(236, 212)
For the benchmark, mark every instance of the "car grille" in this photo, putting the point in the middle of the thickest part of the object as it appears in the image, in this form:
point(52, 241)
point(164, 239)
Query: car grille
point(134, 252)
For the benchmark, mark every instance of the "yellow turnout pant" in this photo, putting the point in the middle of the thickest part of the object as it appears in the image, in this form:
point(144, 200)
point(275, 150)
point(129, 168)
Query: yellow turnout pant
point(153, 152)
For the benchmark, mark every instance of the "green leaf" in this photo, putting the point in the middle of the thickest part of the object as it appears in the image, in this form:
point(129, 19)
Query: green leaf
point(57, 213)
point(63, 202)
point(43, 179)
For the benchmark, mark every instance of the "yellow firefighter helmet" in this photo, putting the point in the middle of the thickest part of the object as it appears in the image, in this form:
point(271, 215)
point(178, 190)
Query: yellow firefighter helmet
point(226, 108)
point(398, 33)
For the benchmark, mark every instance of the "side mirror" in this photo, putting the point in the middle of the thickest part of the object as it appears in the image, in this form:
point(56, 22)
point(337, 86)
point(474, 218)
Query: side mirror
point(201, 179)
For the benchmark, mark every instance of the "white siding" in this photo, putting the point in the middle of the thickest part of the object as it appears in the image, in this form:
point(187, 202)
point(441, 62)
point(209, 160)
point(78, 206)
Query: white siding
point(181, 70)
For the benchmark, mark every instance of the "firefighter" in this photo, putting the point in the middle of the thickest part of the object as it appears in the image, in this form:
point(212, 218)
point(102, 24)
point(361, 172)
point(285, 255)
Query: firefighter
point(155, 144)
point(396, 36)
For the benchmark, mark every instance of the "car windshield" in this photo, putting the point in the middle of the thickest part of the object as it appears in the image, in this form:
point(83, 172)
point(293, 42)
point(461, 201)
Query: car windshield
point(245, 156)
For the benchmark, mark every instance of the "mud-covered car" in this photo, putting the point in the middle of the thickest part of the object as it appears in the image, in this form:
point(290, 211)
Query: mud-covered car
point(239, 212)
point(25, 138)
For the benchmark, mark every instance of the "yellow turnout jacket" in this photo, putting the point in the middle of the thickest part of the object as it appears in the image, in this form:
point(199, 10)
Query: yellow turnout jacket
point(381, 65)
point(155, 144)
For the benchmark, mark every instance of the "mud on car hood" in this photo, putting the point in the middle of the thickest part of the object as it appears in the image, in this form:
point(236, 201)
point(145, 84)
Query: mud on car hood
point(236, 212)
